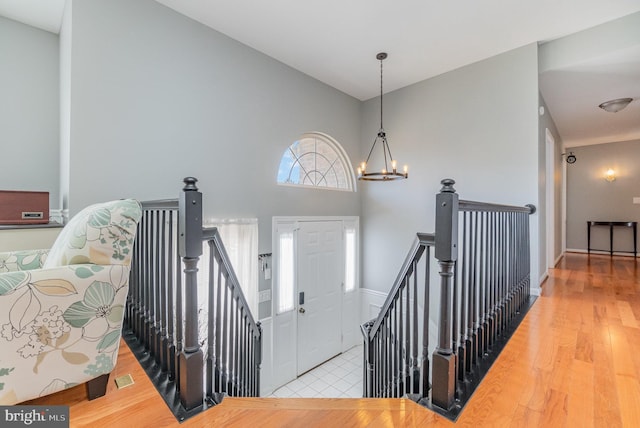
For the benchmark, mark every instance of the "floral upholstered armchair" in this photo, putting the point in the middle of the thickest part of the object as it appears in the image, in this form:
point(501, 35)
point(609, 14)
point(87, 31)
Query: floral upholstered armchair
point(61, 309)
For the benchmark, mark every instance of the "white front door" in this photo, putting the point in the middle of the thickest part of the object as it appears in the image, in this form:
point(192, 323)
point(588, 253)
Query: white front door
point(319, 292)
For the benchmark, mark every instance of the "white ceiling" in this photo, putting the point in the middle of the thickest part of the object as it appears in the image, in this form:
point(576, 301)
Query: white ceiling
point(43, 14)
point(335, 41)
point(574, 92)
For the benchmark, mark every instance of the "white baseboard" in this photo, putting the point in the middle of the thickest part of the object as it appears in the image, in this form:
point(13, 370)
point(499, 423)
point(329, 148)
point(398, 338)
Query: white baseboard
point(266, 368)
point(558, 260)
point(598, 252)
point(371, 301)
point(543, 278)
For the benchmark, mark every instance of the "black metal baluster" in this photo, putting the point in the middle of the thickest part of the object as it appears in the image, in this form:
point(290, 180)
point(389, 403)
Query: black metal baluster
point(464, 364)
point(171, 290)
point(219, 329)
point(424, 387)
point(478, 315)
point(409, 339)
point(157, 329)
point(164, 360)
point(211, 353)
point(414, 333)
point(236, 340)
point(484, 277)
point(226, 335)
point(148, 304)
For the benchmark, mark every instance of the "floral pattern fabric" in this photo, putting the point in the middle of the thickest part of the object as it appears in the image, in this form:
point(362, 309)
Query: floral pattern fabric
point(101, 234)
point(61, 325)
point(22, 260)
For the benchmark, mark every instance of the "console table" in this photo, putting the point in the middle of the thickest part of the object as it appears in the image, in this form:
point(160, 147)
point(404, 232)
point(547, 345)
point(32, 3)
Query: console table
point(611, 224)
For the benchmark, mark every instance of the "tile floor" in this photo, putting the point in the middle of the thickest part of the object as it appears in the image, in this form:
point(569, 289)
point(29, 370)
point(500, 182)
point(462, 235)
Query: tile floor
point(340, 377)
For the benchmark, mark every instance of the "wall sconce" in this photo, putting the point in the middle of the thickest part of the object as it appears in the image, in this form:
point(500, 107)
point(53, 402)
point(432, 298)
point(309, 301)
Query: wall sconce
point(610, 175)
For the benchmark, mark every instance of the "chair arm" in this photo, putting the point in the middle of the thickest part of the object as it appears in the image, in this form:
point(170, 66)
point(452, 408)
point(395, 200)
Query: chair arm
point(12, 261)
point(59, 327)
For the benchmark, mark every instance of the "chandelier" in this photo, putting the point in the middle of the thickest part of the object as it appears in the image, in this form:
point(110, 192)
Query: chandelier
point(385, 173)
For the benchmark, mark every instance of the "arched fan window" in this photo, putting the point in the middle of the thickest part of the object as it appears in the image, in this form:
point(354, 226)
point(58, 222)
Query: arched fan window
point(316, 160)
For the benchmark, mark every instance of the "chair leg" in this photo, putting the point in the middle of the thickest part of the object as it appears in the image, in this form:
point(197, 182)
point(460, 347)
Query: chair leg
point(97, 387)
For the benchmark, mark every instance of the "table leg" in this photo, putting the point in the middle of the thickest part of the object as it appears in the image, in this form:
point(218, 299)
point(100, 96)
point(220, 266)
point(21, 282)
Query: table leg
point(611, 240)
point(635, 239)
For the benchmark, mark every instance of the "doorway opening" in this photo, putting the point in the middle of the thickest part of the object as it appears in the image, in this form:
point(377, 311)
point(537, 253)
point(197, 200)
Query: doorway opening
point(315, 307)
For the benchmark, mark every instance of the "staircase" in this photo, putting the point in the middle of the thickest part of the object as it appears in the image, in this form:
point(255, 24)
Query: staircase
point(197, 342)
point(458, 297)
point(460, 294)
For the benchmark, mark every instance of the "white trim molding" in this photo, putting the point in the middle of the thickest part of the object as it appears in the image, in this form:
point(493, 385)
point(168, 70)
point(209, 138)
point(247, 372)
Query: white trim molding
point(371, 301)
point(57, 215)
point(600, 252)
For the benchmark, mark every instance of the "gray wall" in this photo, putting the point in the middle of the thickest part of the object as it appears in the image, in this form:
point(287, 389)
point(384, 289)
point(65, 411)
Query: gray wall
point(546, 122)
point(29, 109)
point(477, 125)
point(591, 197)
point(156, 97)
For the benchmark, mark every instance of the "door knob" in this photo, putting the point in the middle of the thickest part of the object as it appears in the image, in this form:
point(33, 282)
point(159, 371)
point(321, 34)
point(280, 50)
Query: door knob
point(301, 310)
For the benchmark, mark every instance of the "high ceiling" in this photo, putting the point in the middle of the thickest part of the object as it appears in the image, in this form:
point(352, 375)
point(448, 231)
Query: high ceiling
point(335, 41)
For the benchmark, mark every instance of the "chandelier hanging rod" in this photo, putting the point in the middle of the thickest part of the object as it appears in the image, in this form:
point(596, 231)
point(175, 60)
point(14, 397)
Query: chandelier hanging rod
point(385, 174)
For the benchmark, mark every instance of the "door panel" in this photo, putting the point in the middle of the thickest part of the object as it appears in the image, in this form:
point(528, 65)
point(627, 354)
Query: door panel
point(320, 272)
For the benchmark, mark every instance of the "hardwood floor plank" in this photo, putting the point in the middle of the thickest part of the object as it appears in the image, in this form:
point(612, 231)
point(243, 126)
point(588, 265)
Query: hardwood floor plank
point(573, 362)
point(627, 316)
point(629, 396)
point(555, 409)
point(580, 407)
point(584, 346)
point(524, 417)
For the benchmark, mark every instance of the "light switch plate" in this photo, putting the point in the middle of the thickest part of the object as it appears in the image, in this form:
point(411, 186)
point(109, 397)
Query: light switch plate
point(264, 296)
point(636, 200)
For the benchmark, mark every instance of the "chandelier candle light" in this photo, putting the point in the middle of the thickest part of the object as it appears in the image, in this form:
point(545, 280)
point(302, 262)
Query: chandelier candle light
point(385, 174)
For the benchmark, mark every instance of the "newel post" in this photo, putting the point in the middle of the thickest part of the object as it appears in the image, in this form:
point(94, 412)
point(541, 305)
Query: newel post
point(446, 252)
point(190, 249)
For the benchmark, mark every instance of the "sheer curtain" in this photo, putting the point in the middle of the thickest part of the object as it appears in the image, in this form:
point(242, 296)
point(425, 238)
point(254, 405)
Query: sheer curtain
point(240, 238)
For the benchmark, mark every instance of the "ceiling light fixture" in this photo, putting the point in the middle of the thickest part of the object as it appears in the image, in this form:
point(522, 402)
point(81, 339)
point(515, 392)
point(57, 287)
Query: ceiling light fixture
point(615, 106)
point(385, 173)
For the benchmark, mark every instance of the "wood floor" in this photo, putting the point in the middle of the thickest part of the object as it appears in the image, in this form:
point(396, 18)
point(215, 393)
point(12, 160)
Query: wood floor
point(574, 362)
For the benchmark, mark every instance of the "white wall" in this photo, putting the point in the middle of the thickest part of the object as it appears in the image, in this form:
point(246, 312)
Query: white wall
point(156, 97)
point(477, 125)
point(591, 197)
point(28, 109)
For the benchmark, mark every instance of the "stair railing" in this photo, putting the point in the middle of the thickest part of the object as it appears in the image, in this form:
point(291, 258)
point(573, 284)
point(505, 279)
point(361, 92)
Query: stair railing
point(162, 319)
point(234, 337)
point(395, 352)
point(482, 251)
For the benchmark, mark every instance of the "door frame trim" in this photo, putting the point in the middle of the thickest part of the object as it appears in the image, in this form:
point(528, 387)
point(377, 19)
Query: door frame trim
point(550, 201)
point(277, 339)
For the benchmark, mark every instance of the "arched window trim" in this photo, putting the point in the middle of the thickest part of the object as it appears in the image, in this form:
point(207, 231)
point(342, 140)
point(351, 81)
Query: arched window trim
point(342, 156)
